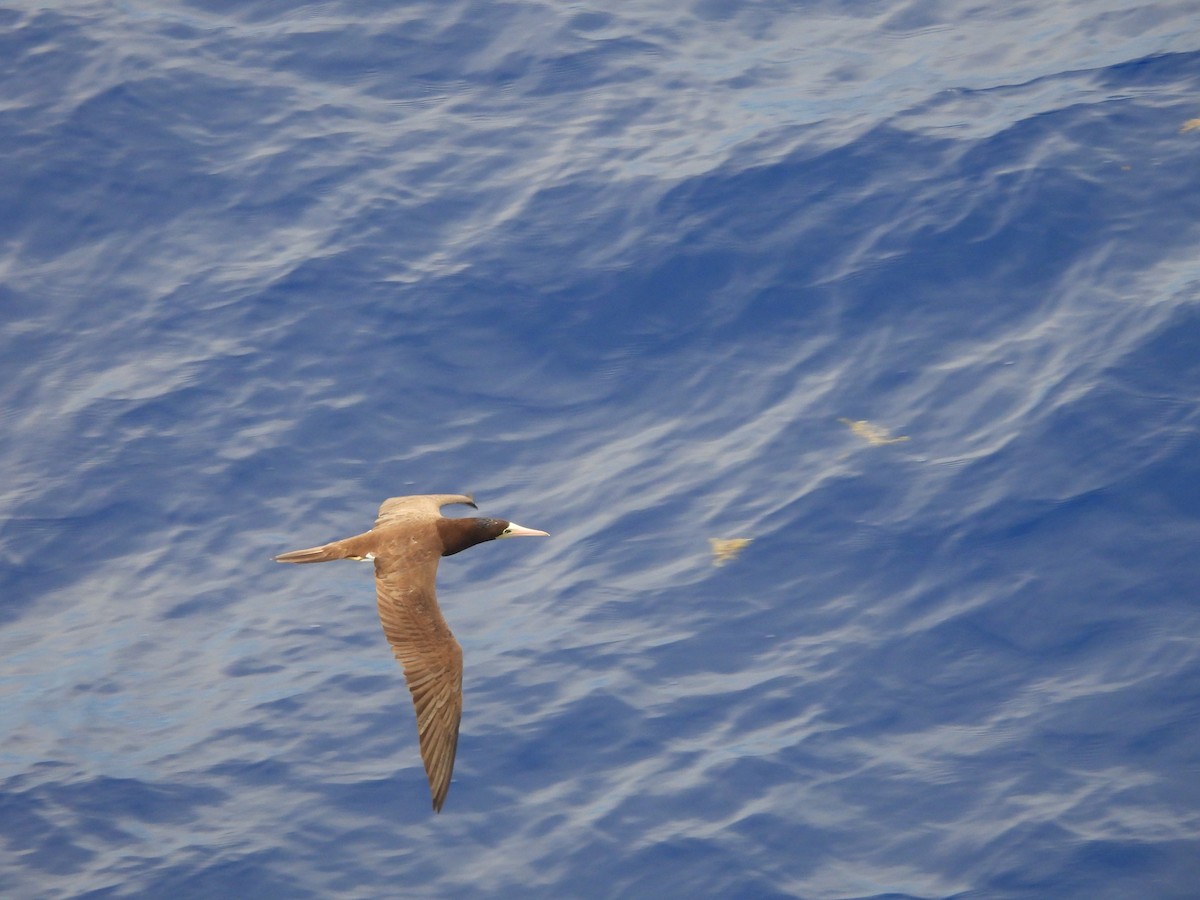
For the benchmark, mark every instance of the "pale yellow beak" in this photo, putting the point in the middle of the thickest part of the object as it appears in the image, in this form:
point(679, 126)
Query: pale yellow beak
point(515, 530)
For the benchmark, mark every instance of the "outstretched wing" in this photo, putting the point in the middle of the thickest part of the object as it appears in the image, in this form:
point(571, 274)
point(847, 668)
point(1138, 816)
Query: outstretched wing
point(431, 657)
point(423, 506)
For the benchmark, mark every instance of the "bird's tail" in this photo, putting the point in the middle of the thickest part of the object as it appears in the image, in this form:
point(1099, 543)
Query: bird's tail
point(359, 547)
point(312, 554)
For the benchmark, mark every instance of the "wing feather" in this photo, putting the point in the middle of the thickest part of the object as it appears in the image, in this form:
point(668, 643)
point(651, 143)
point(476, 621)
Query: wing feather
point(431, 657)
point(418, 506)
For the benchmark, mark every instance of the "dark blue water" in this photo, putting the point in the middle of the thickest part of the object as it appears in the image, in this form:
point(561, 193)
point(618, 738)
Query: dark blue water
point(622, 274)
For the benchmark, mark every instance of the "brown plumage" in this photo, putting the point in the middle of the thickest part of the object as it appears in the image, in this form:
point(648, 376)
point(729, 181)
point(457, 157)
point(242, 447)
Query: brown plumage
point(409, 537)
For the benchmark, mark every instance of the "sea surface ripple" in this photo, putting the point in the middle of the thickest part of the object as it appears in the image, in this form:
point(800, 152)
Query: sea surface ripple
point(906, 295)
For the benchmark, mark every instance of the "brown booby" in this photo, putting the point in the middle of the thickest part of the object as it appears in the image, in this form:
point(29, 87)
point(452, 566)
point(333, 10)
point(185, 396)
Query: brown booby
point(409, 537)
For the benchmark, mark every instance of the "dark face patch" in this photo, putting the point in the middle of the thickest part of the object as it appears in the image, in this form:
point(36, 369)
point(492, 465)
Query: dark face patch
point(459, 534)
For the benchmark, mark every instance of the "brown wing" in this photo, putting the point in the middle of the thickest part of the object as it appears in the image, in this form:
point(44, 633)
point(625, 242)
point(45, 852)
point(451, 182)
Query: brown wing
point(430, 655)
point(418, 506)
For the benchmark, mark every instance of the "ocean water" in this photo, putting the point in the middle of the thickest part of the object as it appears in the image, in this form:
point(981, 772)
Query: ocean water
point(906, 295)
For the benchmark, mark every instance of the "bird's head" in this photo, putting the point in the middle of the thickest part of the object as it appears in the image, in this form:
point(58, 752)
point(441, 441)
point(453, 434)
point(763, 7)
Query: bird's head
point(459, 534)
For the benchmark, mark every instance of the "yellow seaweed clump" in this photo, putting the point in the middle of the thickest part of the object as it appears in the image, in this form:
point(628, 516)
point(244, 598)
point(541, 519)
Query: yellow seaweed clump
point(726, 549)
point(872, 434)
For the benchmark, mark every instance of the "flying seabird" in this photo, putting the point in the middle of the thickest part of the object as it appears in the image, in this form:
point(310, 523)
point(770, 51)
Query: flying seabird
point(409, 537)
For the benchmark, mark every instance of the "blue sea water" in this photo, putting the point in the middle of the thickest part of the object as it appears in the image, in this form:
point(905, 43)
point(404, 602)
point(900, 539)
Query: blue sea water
point(635, 274)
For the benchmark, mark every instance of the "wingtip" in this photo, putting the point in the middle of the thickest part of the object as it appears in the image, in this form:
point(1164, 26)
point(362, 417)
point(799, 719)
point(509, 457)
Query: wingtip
point(439, 800)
